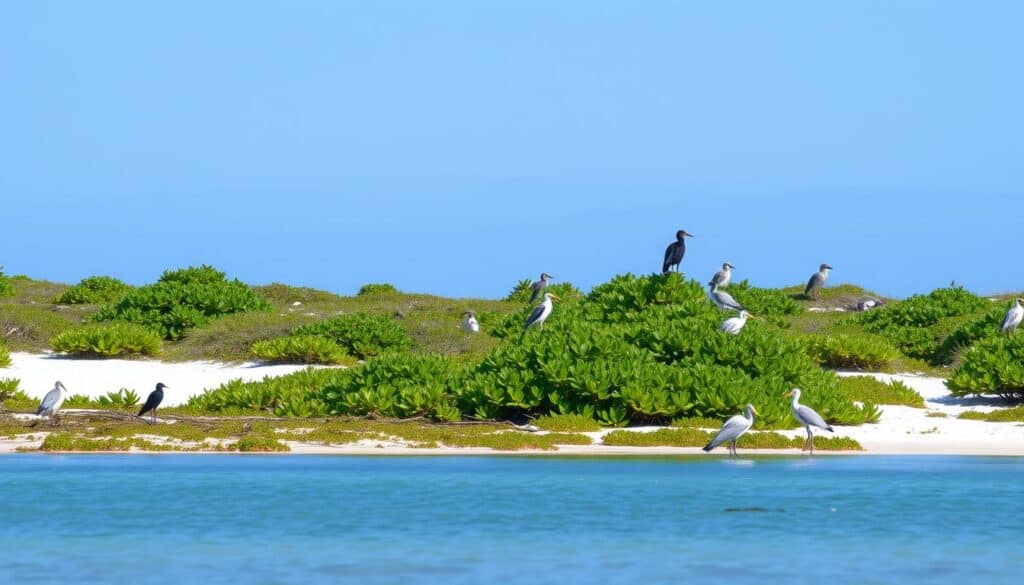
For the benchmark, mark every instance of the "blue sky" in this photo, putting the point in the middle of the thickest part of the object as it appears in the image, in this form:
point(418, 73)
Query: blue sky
point(456, 147)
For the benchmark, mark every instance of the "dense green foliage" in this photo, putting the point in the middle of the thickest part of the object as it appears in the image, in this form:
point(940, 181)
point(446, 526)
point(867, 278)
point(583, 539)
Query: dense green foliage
point(849, 351)
point(377, 289)
point(870, 389)
point(303, 349)
point(522, 292)
point(107, 340)
point(6, 288)
point(93, 290)
point(768, 303)
point(993, 366)
point(573, 423)
point(395, 385)
point(986, 326)
point(5, 355)
point(183, 299)
point(8, 388)
point(361, 334)
point(291, 395)
point(120, 400)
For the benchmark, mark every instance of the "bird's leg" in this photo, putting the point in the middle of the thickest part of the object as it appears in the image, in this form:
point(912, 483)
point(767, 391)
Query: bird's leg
point(810, 439)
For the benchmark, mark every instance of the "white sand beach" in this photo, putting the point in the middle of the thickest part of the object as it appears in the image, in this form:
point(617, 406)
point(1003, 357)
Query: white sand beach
point(934, 429)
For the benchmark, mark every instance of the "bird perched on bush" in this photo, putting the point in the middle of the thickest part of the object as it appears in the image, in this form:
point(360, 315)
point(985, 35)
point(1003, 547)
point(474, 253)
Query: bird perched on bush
point(469, 322)
point(722, 299)
point(1013, 316)
point(733, 429)
point(734, 325)
point(724, 276)
point(539, 285)
point(541, 313)
point(817, 281)
point(675, 252)
point(807, 416)
point(53, 400)
point(153, 401)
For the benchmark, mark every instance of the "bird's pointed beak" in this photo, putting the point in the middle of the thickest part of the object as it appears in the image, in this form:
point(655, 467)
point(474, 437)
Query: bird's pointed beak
point(751, 316)
point(754, 410)
point(556, 297)
point(788, 394)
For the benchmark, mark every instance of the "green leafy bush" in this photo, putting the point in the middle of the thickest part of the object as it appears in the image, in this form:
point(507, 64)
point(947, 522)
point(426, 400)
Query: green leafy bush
point(5, 355)
point(993, 366)
point(107, 340)
point(6, 288)
point(573, 423)
point(624, 297)
point(522, 292)
point(377, 289)
point(361, 334)
point(183, 299)
point(123, 399)
point(967, 334)
point(258, 443)
point(874, 391)
point(281, 395)
point(8, 388)
point(393, 385)
point(93, 290)
point(305, 349)
point(849, 351)
point(765, 302)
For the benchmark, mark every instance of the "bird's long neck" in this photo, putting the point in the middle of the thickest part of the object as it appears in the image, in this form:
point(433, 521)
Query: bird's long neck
point(795, 402)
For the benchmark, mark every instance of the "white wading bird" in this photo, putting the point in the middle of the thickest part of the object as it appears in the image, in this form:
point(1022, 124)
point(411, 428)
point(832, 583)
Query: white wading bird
point(734, 325)
point(817, 281)
point(469, 322)
point(724, 276)
point(807, 417)
point(1013, 316)
point(722, 299)
point(52, 401)
point(733, 429)
point(541, 313)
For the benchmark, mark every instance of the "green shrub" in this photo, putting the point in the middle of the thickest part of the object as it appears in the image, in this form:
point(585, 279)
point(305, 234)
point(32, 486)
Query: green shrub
point(848, 351)
point(304, 349)
point(870, 389)
point(567, 423)
point(967, 334)
point(1015, 414)
point(362, 335)
point(522, 292)
point(377, 289)
point(765, 302)
point(12, 398)
point(5, 355)
point(183, 299)
point(6, 288)
point(257, 443)
point(624, 297)
point(107, 340)
point(393, 385)
point(123, 399)
point(79, 401)
point(93, 290)
point(993, 366)
point(8, 388)
point(289, 395)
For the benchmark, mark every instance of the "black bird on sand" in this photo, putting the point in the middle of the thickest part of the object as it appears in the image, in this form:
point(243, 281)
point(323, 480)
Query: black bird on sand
point(675, 251)
point(154, 400)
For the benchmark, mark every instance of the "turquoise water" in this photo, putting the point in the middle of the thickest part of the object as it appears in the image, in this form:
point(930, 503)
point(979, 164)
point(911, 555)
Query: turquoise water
point(300, 519)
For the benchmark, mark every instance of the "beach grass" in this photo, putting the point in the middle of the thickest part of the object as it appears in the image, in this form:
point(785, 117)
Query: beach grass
point(870, 389)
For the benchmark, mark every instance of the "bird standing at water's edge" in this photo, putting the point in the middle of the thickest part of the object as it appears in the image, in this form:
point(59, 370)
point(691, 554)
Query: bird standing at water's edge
point(52, 402)
point(153, 401)
point(807, 416)
point(723, 277)
point(734, 325)
point(469, 322)
point(733, 429)
point(675, 252)
point(538, 286)
point(541, 313)
point(1013, 317)
point(817, 281)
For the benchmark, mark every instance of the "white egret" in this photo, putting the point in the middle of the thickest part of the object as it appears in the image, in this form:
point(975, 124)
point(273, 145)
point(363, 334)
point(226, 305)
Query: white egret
point(675, 252)
point(1013, 316)
point(542, 311)
point(538, 286)
point(53, 400)
point(817, 280)
point(722, 299)
point(724, 276)
point(469, 322)
point(153, 401)
point(733, 429)
point(734, 325)
point(808, 418)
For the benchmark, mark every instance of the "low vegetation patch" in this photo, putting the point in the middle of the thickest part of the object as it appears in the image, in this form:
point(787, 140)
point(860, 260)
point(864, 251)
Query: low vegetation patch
point(849, 351)
point(871, 390)
point(6, 288)
point(567, 423)
point(994, 366)
point(301, 349)
point(8, 389)
point(93, 290)
point(377, 289)
point(1015, 414)
point(256, 443)
point(362, 335)
point(5, 355)
point(108, 340)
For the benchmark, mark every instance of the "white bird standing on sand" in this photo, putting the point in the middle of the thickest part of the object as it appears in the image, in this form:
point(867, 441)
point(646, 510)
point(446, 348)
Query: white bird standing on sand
point(733, 429)
point(541, 312)
point(817, 280)
point(469, 322)
point(52, 401)
point(807, 417)
point(724, 276)
point(1013, 316)
point(538, 286)
point(722, 299)
point(734, 325)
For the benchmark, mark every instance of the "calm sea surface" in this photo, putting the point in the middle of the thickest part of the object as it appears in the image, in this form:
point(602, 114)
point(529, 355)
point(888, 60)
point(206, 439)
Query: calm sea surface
point(302, 519)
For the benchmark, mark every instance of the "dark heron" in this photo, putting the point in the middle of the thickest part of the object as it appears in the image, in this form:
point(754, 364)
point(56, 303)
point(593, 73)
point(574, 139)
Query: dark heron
point(541, 313)
point(722, 299)
point(52, 402)
point(808, 418)
point(154, 400)
point(675, 252)
point(733, 429)
point(1013, 317)
point(724, 276)
point(538, 286)
point(817, 281)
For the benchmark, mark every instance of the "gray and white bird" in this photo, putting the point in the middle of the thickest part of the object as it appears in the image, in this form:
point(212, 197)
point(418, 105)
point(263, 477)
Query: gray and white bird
point(153, 401)
point(806, 416)
point(675, 252)
point(53, 400)
point(868, 304)
point(541, 312)
point(722, 299)
point(1013, 316)
point(817, 280)
point(733, 325)
point(724, 276)
point(733, 429)
point(469, 322)
point(539, 285)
